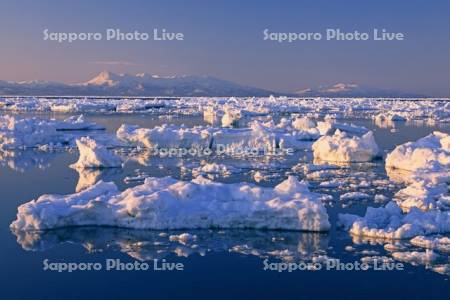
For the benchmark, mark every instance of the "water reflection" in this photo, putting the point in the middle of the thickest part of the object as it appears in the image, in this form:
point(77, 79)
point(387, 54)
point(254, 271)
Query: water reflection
point(146, 245)
point(385, 123)
point(89, 177)
point(434, 259)
point(24, 160)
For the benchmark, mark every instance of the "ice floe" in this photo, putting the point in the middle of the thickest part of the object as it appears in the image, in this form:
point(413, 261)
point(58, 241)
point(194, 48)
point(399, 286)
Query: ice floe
point(165, 136)
point(20, 133)
point(411, 109)
point(424, 195)
point(415, 257)
point(340, 147)
point(441, 243)
point(95, 155)
point(389, 222)
point(213, 170)
point(427, 158)
point(354, 196)
point(166, 203)
point(425, 167)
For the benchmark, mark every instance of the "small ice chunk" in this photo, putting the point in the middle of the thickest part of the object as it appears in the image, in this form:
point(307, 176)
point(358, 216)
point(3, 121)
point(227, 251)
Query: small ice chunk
point(305, 124)
point(184, 238)
point(415, 257)
point(77, 123)
point(439, 243)
point(94, 155)
point(379, 198)
point(393, 247)
point(354, 196)
point(231, 118)
point(350, 248)
point(258, 176)
point(389, 222)
point(213, 169)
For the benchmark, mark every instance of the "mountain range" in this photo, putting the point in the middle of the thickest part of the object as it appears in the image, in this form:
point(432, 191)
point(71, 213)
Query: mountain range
point(111, 84)
point(352, 90)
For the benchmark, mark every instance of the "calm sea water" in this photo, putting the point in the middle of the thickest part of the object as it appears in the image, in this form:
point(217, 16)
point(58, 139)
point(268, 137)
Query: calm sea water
point(215, 269)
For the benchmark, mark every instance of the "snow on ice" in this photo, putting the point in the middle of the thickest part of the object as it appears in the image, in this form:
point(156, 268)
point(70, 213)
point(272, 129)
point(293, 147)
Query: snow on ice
point(20, 133)
point(167, 203)
point(340, 147)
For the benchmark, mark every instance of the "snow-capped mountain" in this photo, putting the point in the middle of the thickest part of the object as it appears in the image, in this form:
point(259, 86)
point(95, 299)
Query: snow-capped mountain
point(351, 90)
point(112, 84)
point(142, 84)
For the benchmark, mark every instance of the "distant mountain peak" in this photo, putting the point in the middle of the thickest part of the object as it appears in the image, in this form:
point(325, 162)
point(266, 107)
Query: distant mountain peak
point(142, 84)
point(351, 90)
point(104, 78)
point(108, 83)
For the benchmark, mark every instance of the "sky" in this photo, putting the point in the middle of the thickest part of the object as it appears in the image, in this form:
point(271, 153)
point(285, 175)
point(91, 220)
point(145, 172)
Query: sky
point(225, 39)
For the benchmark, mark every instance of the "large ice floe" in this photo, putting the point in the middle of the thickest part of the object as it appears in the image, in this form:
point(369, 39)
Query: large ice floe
point(167, 203)
point(341, 147)
point(34, 132)
point(23, 133)
point(427, 158)
point(95, 155)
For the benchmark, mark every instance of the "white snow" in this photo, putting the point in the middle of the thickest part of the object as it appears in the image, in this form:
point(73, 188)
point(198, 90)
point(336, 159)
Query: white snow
point(33, 132)
point(342, 148)
point(422, 194)
point(427, 158)
point(23, 133)
point(166, 203)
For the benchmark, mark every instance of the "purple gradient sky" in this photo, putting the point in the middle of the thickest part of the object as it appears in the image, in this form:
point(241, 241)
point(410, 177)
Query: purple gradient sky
point(224, 39)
